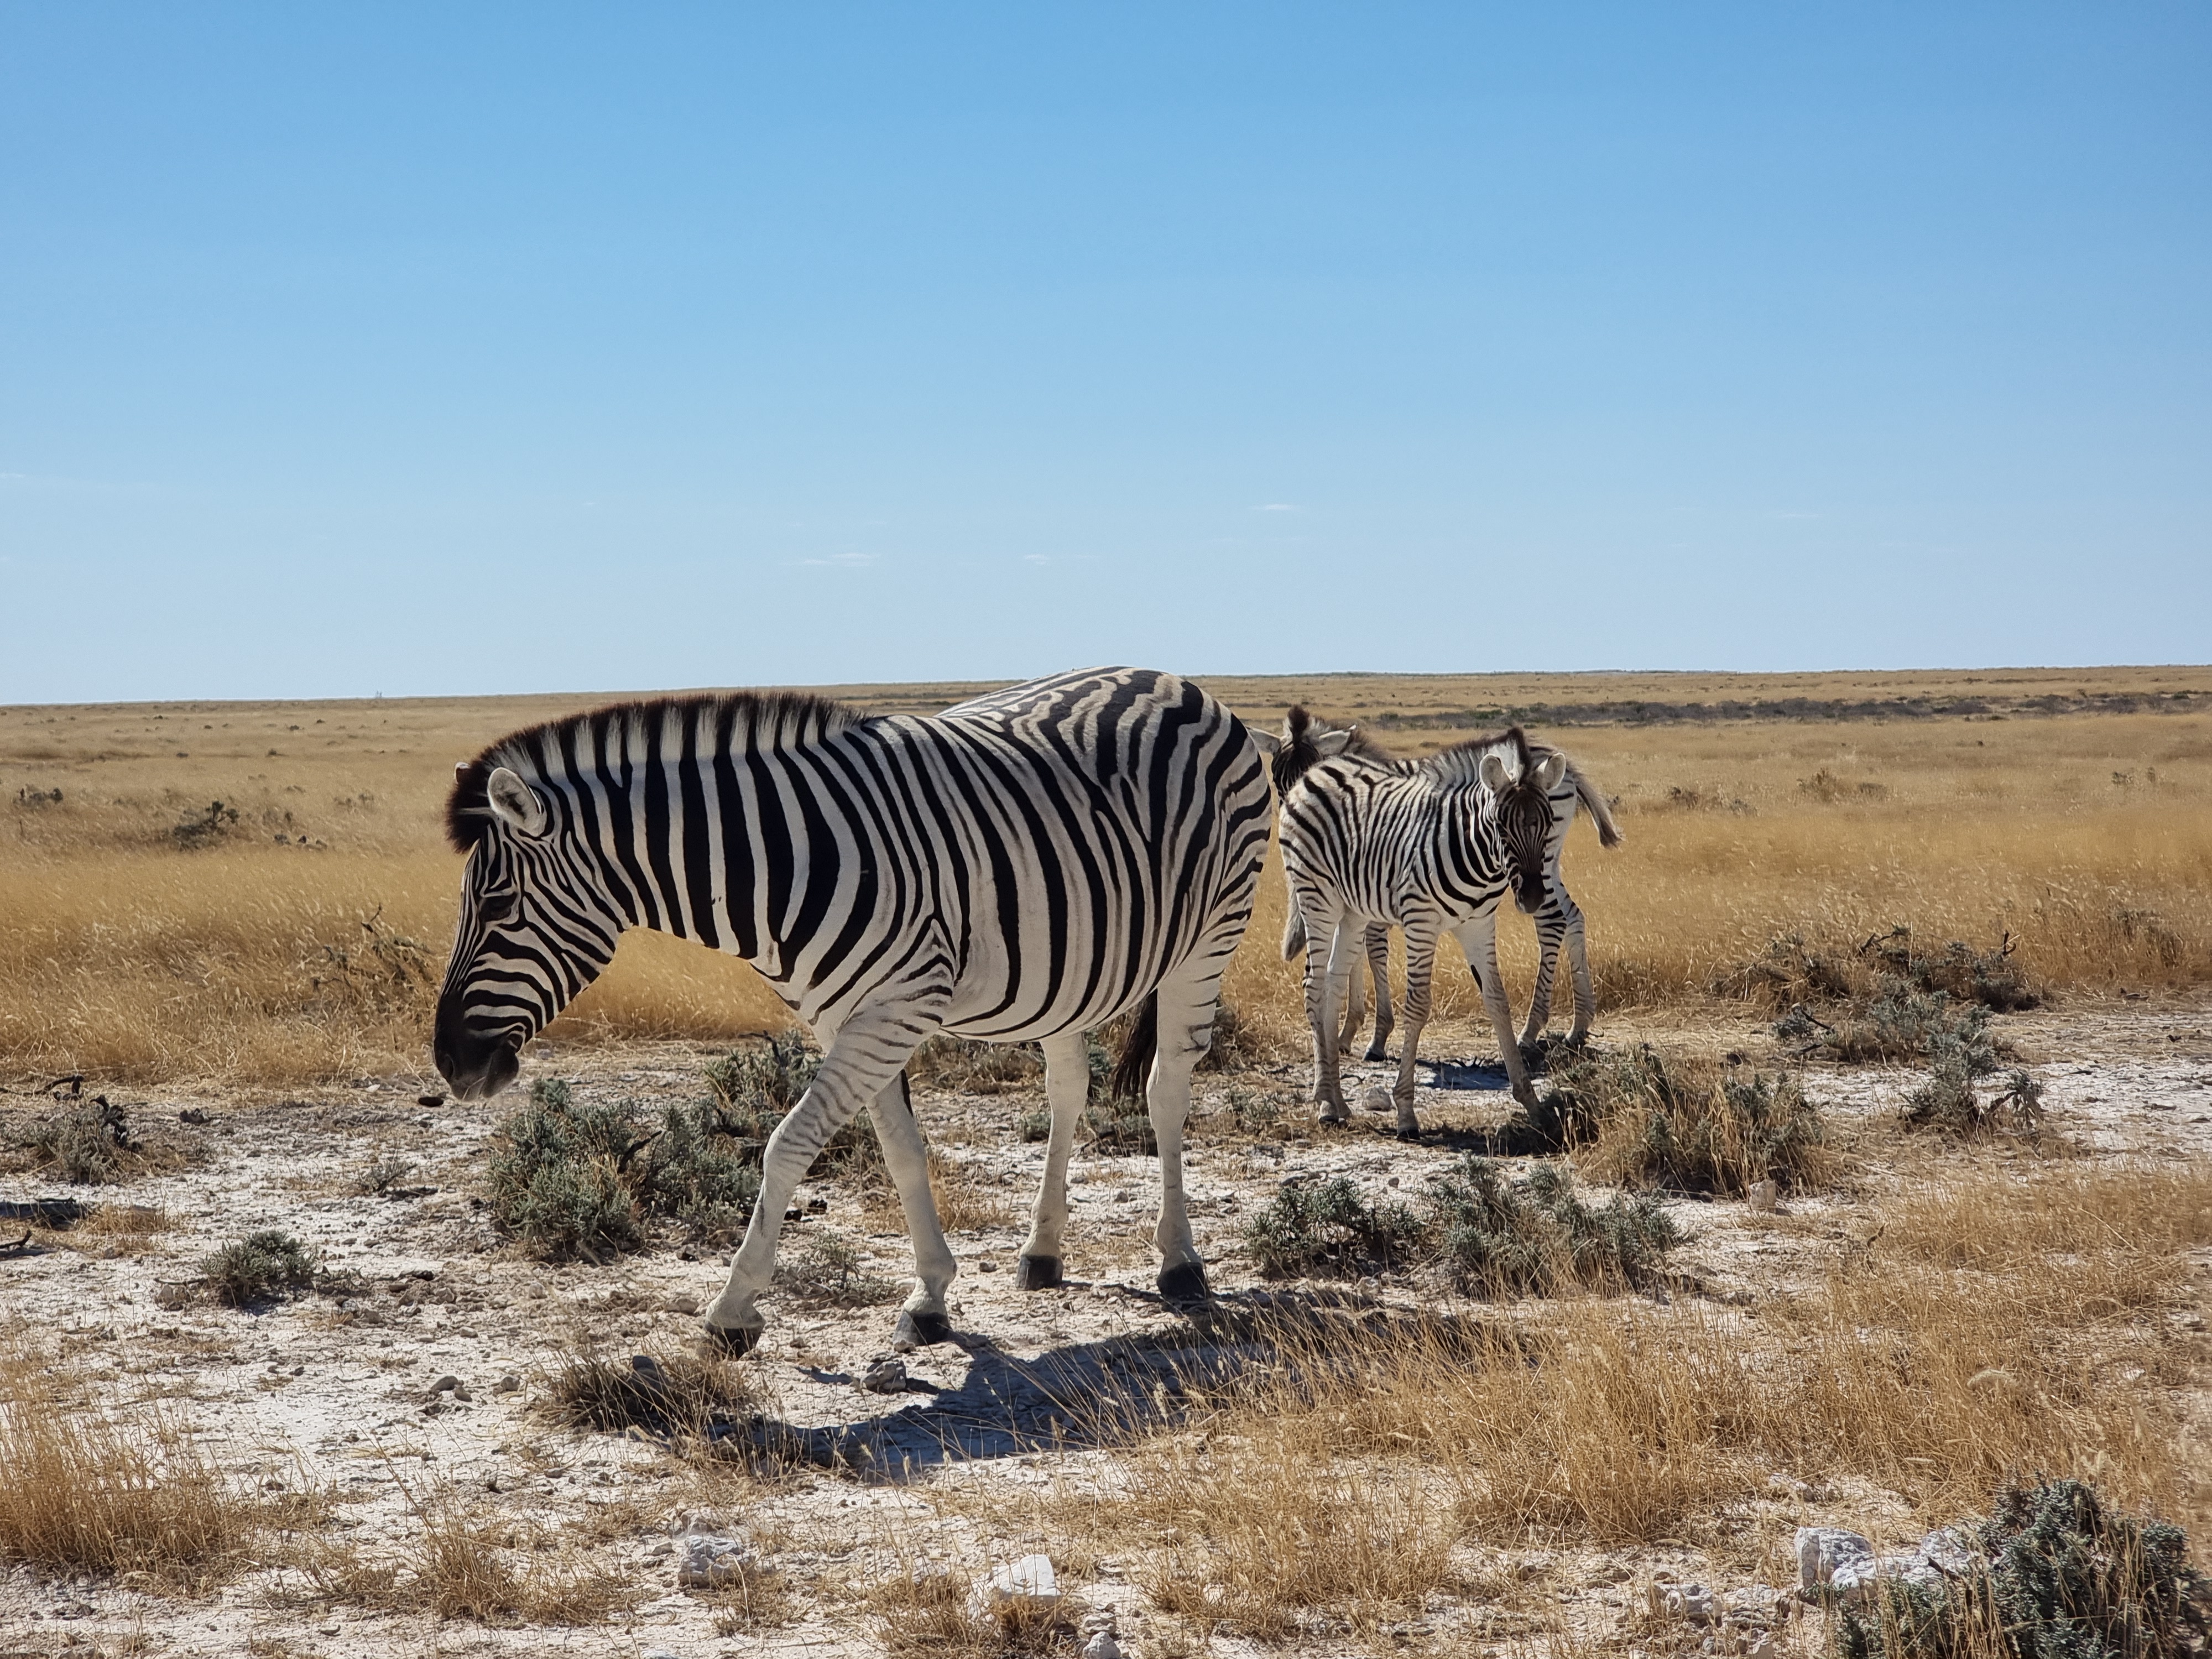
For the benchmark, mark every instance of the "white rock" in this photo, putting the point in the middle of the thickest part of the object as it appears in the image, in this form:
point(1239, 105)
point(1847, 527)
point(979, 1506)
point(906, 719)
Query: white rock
point(1756, 1605)
point(1378, 1100)
point(1854, 1583)
point(711, 1559)
point(1822, 1551)
point(1946, 1550)
point(1691, 1603)
point(1028, 1582)
point(1762, 1195)
point(885, 1376)
point(1101, 1646)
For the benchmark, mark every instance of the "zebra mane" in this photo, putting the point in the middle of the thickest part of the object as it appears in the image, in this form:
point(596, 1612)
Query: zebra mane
point(1462, 761)
point(1298, 751)
point(753, 719)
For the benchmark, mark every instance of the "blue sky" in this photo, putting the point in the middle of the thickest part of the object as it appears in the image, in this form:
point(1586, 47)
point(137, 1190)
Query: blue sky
point(443, 349)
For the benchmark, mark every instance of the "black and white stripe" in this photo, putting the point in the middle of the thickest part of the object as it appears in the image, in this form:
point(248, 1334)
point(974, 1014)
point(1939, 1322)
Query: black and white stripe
point(1021, 867)
point(1430, 845)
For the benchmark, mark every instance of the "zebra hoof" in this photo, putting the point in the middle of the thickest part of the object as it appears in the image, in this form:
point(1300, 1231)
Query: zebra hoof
point(1376, 1053)
point(1036, 1273)
point(1409, 1129)
point(922, 1330)
point(1184, 1289)
point(735, 1341)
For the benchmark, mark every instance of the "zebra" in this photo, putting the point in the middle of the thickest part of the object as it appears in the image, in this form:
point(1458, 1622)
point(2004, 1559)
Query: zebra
point(1022, 866)
point(1558, 925)
point(1430, 845)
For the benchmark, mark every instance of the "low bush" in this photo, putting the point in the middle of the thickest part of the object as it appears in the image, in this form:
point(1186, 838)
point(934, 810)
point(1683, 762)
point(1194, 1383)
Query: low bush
point(1325, 1226)
point(1684, 1123)
point(1497, 1237)
point(674, 1392)
point(557, 1183)
point(259, 1268)
point(87, 1144)
point(826, 1269)
point(1950, 1102)
point(1901, 1021)
point(2058, 1575)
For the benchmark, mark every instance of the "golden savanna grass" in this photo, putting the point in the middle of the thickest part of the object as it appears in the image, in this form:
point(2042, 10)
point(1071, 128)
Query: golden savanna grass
point(138, 946)
point(2003, 1324)
point(128, 1491)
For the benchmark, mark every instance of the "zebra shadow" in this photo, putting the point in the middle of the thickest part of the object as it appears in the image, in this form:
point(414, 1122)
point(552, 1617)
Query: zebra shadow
point(1093, 1395)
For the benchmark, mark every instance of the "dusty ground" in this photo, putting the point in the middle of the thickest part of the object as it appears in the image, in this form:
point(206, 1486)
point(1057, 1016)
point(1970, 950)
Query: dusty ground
point(330, 1394)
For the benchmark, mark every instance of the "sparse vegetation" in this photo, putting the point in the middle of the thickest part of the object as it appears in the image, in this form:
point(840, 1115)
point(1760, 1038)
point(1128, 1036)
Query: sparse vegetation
point(670, 1392)
point(556, 1183)
point(1326, 1226)
point(2057, 1575)
point(87, 1143)
point(1498, 1238)
point(259, 1268)
point(88, 1492)
point(822, 1267)
point(1686, 1124)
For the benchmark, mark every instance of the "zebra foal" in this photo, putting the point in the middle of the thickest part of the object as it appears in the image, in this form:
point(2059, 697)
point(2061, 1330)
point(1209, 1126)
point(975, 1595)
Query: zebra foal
point(1559, 926)
point(1024, 866)
point(1430, 845)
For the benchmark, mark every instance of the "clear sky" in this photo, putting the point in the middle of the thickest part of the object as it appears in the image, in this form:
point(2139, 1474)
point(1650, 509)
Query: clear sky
point(457, 348)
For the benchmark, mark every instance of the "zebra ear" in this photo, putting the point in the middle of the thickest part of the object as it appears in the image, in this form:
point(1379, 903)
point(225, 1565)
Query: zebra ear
point(1495, 778)
point(1334, 743)
point(1549, 774)
point(516, 802)
point(1270, 745)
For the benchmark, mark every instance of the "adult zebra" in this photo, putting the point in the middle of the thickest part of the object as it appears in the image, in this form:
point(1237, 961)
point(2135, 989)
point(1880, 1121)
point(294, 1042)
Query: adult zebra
point(1024, 866)
point(1559, 927)
point(1430, 845)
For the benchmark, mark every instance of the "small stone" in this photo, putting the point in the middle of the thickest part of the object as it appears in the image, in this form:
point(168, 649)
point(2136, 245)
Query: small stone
point(987, 1265)
point(1946, 1550)
point(171, 1296)
point(1030, 1583)
point(463, 1395)
point(684, 1303)
point(448, 1381)
point(1763, 1195)
point(1378, 1100)
point(191, 1114)
point(1691, 1603)
point(1763, 1646)
point(1101, 1646)
point(1760, 1604)
point(711, 1559)
point(1822, 1551)
point(429, 1100)
point(508, 1385)
point(885, 1376)
point(1853, 1584)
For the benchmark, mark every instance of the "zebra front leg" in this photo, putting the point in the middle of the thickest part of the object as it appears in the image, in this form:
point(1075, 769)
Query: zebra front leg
point(1186, 1030)
point(1378, 964)
point(1355, 1012)
point(1066, 1087)
point(1420, 972)
point(1479, 939)
point(1327, 945)
point(862, 1061)
point(1551, 930)
point(924, 1319)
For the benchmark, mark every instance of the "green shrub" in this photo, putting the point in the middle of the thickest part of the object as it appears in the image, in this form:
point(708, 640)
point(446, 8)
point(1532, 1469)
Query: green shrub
point(557, 1183)
point(2056, 1576)
point(1498, 1237)
point(1689, 1126)
point(1950, 1101)
point(769, 1075)
point(259, 1267)
point(1324, 1226)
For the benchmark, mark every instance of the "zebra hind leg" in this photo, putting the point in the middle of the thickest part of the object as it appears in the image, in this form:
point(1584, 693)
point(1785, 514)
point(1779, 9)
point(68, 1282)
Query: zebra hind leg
point(1378, 965)
point(924, 1319)
point(1067, 1086)
point(1551, 932)
point(1186, 1030)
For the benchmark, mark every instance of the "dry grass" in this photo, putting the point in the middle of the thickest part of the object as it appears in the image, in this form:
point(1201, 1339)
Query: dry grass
point(131, 953)
point(128, 1492)
point(924, 1616)
point(488, 1566)
point(2001, 1325)
point(969, 1198)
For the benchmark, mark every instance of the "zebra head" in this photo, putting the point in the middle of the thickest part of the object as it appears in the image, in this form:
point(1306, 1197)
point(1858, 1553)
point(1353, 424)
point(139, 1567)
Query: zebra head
point(1521, 797)
point(536, 926)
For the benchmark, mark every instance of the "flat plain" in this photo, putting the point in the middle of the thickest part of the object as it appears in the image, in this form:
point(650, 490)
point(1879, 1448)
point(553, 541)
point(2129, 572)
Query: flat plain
point(1369, 1451)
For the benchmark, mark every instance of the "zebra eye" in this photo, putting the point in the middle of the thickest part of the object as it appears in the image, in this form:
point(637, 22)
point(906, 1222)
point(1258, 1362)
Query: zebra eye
point(499, 904)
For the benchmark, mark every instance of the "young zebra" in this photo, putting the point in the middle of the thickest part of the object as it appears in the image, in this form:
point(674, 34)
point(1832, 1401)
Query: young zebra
point(1429, 845)
point(1559, 924)
point(1021, 867)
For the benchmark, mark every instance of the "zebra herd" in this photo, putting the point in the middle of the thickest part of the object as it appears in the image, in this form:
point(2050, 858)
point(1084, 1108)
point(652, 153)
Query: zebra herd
point(1021, 867)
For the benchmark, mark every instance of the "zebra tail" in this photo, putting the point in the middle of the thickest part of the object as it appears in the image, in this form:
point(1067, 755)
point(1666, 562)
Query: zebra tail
point(1135, 1064)
point(1294, 934)
point(1593, 798)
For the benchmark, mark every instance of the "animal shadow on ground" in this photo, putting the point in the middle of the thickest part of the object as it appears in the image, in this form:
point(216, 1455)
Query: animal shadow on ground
point(1096, 1394)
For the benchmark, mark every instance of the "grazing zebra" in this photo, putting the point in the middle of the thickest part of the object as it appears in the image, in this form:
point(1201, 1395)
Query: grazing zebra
point(1558, 925)
point(1429, 845)
point(1024, 866)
